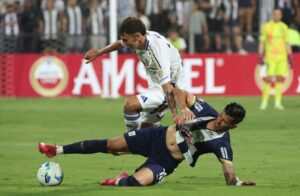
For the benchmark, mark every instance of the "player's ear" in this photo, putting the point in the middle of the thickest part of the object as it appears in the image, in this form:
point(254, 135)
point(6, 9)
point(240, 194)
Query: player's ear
point(233, 126)
point(138, 36)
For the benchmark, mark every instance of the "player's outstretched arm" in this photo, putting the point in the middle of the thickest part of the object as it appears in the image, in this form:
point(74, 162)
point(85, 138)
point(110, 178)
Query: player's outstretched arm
point(92, 54)
point(184, 101)
point(230, 177)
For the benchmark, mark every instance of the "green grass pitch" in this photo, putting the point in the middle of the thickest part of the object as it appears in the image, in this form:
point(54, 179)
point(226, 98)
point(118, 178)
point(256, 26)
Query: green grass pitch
point(266, 149)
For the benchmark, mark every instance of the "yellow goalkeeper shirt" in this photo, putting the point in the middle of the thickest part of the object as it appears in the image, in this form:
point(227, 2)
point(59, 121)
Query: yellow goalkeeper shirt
point(274, 37)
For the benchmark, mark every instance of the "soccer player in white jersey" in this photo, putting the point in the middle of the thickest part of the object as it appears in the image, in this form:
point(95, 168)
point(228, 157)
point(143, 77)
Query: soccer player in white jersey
point(164, 69)
point(167, 146)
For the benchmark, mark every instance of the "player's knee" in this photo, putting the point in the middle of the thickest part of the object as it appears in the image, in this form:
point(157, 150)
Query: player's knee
point(129, 106)
point(111, 146)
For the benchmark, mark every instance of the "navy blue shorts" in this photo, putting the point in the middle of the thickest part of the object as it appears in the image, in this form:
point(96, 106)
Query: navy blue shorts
point(151, 143)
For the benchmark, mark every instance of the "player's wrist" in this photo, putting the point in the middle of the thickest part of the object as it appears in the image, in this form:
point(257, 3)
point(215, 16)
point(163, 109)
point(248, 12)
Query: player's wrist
point(98, 52)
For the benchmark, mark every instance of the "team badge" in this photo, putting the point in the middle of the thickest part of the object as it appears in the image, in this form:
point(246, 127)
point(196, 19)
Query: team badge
point(48, 76)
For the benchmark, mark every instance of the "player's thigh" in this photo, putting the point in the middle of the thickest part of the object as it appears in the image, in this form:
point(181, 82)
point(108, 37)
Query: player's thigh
point(117, 144)
point(132, 104)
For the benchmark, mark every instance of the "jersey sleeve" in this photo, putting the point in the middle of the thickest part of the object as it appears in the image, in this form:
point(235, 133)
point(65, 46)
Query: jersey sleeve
point(161, 62)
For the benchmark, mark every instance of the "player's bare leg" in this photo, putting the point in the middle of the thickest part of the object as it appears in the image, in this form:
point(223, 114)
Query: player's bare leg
point(116, 146)
point(132, 116)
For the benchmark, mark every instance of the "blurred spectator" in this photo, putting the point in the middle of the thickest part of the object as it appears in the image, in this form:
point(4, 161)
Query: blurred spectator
point(214, 15)
point(198, 31)
point(288, 8)
point(173, 21)
point(3, 5)
point(96, 23)
point(29, 42)
point(231, 26)
point(85, 8)
point(50, 25)
point(265, 11)
point(183, 11)
point(126, 8)
point(11, 29)
point(168, 6)
point(145, 20)
point(59, 5)
point(153, 10)
point(73, 25)
point(246, 10)
point(177, 41)
point(18, 7)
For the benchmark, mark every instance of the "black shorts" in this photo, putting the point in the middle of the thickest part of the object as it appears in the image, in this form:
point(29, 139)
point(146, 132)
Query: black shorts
point(151, 143)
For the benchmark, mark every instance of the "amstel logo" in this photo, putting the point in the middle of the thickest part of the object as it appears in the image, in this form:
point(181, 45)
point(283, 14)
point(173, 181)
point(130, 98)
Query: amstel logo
point(48, 76)
point(261, 73)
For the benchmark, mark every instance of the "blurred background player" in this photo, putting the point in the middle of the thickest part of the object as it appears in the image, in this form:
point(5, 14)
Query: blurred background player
point(166, 147)
point(163, 66)
point(276, 53)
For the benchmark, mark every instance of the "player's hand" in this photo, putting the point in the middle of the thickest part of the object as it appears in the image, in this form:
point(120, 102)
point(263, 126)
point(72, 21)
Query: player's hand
point(291, 60)
point(248, 183)
point(91, 55)
point(188, 114)
point(179, 120)
point(261, 61)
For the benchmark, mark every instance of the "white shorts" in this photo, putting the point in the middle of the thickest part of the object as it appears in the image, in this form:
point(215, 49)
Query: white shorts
point(153, 104)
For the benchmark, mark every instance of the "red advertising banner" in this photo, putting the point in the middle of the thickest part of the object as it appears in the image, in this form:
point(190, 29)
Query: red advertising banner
point(30, 75)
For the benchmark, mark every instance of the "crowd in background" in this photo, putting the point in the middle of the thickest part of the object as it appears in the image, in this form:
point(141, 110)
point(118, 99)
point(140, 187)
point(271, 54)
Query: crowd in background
point(193, 26)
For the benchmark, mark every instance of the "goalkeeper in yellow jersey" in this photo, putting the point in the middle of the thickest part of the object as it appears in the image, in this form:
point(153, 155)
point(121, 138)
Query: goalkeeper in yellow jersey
point(276, 53)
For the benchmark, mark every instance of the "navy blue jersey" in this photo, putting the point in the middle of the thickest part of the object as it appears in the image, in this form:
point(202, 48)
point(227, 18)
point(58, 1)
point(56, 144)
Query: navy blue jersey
point(203, 140)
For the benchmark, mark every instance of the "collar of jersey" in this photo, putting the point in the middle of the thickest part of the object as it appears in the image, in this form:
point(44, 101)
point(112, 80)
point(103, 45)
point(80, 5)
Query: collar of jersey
point(146, 44)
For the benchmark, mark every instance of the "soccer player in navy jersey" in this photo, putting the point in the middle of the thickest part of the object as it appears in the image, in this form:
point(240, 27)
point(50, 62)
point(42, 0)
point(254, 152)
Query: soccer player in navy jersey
point(164, 68)
point(166, 147)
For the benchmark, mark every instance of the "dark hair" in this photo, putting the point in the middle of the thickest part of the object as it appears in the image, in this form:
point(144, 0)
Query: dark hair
point(235, 111)
point(132, 25)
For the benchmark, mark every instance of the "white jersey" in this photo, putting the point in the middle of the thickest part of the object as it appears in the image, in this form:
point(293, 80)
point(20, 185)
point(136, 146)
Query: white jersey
point(162, 61)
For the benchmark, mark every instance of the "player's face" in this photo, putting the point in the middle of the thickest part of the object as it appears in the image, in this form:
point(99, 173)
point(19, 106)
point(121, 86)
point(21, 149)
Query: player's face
point(133, 41)
point(277, 15)
point(224, 122)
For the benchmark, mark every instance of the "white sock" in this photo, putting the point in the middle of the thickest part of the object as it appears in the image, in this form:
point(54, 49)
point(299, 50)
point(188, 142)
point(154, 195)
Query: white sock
point(132, 121)
point(59, 150)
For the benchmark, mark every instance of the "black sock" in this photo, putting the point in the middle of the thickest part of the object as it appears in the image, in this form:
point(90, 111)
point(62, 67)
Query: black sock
point(86, 147)
point(129, 181)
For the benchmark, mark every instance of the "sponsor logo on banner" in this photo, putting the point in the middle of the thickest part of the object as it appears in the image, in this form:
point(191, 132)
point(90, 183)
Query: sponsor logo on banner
point(261, 73)
point(48, 76)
